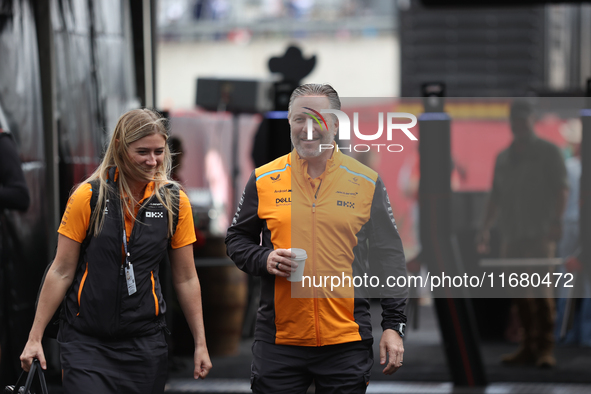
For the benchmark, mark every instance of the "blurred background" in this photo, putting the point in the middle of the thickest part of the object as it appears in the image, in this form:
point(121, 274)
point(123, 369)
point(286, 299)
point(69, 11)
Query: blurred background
point(222, 72)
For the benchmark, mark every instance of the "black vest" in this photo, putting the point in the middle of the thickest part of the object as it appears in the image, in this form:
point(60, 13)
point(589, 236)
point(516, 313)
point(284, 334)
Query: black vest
point(98, 303)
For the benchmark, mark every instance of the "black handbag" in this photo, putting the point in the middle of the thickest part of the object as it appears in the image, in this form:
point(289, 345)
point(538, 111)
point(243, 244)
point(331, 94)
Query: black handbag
point(18, 388)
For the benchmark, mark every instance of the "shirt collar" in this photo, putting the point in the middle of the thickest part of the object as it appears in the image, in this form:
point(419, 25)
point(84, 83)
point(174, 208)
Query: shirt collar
point(301, 165)
point(526, 142)
point(148, 191)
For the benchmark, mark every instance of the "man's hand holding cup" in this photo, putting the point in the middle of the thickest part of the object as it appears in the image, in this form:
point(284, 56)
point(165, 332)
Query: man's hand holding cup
point(288, 263)
point(279, 263)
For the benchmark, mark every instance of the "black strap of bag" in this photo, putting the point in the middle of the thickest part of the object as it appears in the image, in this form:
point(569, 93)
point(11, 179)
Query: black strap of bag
point(35, 370)
point(53, 326)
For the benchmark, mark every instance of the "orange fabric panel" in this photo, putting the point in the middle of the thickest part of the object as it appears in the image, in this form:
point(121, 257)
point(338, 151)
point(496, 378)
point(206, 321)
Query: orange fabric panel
point(129, 221)
point(157, 306)
point(82, 285)
point(185, 228)
point(321, 216)
point(336, 317)
point(274, 191)
point(77, 214)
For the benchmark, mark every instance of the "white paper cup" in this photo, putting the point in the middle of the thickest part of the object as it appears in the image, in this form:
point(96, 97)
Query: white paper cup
point(300, 259)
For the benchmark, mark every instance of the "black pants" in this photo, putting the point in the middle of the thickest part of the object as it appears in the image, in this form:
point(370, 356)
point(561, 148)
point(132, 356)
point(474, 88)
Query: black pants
point(342, 369)
point(91, 365)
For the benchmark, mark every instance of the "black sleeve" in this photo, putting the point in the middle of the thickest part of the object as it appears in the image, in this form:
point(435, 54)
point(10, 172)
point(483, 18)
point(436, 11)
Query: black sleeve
point(386, 257)
point(13, 188)
point(243, 240)
point(496, 186)
point(556, 170)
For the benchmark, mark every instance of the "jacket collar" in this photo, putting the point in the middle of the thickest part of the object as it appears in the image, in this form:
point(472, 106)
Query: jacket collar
point(300, 166)
point(114, 177)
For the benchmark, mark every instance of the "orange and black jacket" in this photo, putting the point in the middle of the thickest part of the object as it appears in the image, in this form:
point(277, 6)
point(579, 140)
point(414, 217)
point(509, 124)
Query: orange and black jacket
point(344, 221)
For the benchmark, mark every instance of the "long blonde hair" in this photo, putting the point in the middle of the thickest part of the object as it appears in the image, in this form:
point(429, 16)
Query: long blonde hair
point(132, 126)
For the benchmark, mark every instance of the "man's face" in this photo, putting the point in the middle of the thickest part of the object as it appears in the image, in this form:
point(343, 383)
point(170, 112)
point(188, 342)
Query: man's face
point(298, 122)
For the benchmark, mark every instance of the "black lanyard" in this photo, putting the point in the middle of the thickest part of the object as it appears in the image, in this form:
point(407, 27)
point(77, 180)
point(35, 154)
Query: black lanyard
point(125, 245)
point(125, 239)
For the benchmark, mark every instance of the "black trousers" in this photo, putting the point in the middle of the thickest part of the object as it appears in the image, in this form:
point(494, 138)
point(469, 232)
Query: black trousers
point(91, 365)
point(343, 368)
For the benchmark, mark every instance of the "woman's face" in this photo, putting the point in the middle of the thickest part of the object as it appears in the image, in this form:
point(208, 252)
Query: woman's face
point(146, 156)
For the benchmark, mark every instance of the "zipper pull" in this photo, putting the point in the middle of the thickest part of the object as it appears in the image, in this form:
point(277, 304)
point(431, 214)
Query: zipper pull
point(162, 325)
point(313, 207)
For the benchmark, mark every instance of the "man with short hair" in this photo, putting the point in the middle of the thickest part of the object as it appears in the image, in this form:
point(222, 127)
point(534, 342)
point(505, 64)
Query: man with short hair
point(528, 197)
point(318, 199)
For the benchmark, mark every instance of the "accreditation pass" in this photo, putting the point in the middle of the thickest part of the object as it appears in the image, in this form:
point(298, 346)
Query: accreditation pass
point(130, 277)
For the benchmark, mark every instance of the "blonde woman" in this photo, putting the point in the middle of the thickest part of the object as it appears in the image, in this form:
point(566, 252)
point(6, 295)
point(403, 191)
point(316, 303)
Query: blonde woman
point(107, 263)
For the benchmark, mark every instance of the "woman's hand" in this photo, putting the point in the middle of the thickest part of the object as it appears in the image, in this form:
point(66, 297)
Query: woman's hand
point(202, 362)
point(188, 290)
point(483, 241)
point(57, 281)
point(33, 349)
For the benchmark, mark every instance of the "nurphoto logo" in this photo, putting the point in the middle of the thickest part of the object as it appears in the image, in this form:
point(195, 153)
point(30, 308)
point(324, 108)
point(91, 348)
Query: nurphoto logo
point(344, 131)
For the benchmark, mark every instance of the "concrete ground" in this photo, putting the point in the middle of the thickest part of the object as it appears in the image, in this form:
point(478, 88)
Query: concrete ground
point(425, 368)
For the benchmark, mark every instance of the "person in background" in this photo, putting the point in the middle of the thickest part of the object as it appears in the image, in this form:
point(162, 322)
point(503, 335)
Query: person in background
point(177, 152)
point(528, 197)
point(14, 194)
point(573, 315)
point(112, 327)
